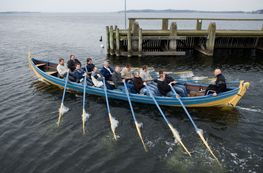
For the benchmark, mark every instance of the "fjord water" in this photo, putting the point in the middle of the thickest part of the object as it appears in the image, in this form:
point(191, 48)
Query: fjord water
point(31, 142)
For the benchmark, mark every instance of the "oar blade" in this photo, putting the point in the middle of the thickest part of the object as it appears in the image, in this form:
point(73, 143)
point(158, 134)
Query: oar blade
point(138, 127)
point(84, 117)
point(200, 133)
point(62, 110)
point(178, 138)
point(114, 124)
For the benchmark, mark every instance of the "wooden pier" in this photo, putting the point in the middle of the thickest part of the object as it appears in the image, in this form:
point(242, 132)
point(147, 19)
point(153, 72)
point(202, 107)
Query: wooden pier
point(171, 41)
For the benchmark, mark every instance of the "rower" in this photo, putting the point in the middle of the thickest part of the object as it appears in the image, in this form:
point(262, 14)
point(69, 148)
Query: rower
point(73, 61)
point(89, 65)
point(144, 74)
point(62, 70)
point(163, 86)
point(106, 71)
point(117, 79)
point(219, 85)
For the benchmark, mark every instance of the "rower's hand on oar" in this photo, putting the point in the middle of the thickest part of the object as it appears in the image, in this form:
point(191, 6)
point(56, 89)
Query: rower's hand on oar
point(214, 94)
point(123, 80)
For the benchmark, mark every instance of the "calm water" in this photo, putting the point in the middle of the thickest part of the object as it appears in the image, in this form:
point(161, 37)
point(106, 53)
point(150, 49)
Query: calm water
point(31, 142)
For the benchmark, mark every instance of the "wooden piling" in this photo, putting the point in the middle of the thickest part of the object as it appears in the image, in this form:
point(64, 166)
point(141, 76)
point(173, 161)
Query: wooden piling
point(117, 51)
point(111, 41)
point(173, 32)
point(129, 46)
point(165, 23)
point(131, 21)
point(108, 39)
point(198, 24)
point(140, 43)
point(210, 43)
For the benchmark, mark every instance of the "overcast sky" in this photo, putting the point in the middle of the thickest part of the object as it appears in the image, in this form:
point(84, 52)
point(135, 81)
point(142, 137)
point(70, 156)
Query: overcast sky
point(117, 5)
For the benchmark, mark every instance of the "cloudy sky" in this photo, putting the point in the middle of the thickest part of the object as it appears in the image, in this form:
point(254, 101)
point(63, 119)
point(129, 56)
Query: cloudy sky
point(116, 5)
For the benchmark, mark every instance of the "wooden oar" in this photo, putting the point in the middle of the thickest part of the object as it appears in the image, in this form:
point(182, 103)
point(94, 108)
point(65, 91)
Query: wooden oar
point(63, 109)
point(84, 115)
point(138, 125)
point(113, 121)
point(198, 131)
point(174, 131)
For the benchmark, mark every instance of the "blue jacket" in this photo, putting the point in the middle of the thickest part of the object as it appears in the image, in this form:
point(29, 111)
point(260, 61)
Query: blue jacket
point(104, 72)
point(78, 74)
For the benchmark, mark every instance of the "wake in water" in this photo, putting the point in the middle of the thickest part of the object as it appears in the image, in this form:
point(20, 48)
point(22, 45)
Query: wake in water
point(250, 109)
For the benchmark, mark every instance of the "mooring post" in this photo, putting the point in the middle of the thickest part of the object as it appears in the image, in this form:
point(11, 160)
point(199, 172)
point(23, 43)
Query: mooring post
point(198, 24)
point(131, 22)
point(108, 39)
point(173, 33)
point(165, 22)
point(210, 42)
point(140, 43)
point(111, 41)
point(129, 46)
point(117, 52)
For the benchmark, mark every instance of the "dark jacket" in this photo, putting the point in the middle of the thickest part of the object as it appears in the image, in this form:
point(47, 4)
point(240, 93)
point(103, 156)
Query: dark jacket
point(116, 78)
point(138, 84)
point(163, 86)
point(78, 74)
point(89, 67)
point(104, 72)
point(219, 86)
point(72, 64)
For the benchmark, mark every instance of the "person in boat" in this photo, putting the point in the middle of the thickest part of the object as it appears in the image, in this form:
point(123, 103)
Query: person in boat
point(89, 65)
point(137, 82)
point(219, 85)
point(126, 72)
point(164, 82)
point(73, 61)
point(117, 79)
point(62, 70)
point(106, 71)
point(78, 73)
point(145, 75)
point(97, 79)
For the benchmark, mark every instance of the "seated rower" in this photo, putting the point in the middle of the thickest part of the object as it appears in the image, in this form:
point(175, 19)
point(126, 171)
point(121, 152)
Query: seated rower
point(163, 86)
point(62, 70)
point(106, 71)
point(137, 82)
point(89, 65)
point(219, 85)
point(73, 61)
point(117, 80)
point(78, 73)
point(126, 72)
point(97, 79)
point(144, 74)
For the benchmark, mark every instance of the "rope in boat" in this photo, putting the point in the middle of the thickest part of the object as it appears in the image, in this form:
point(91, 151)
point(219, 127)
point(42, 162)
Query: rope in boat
point(138, 126)
point(174, 131)
point(198, 131)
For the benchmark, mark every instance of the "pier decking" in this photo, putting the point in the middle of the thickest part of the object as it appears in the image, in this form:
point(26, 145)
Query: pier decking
point(171, 41)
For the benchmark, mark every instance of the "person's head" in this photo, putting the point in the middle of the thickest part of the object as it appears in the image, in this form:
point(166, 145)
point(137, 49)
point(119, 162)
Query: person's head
point(72, 57)
point(161, 75)
point(61, 61)
point(128, 66)
point(145, 68)
point(106, 64)
point(78, 66)
point(136, 74)
point(89, 60)
point(95, 69)
point(117, 69)
point(217, 72)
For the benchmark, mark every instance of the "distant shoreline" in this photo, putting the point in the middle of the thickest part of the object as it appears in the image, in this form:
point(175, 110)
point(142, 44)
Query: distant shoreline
point(188, 11)
point(145, 11)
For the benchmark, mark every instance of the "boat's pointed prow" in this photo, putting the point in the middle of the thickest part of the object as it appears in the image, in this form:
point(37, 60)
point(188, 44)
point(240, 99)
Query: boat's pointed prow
point(243, 86)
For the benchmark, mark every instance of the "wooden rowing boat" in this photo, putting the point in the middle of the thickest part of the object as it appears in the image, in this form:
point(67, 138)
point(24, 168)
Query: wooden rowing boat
point(46, 71)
